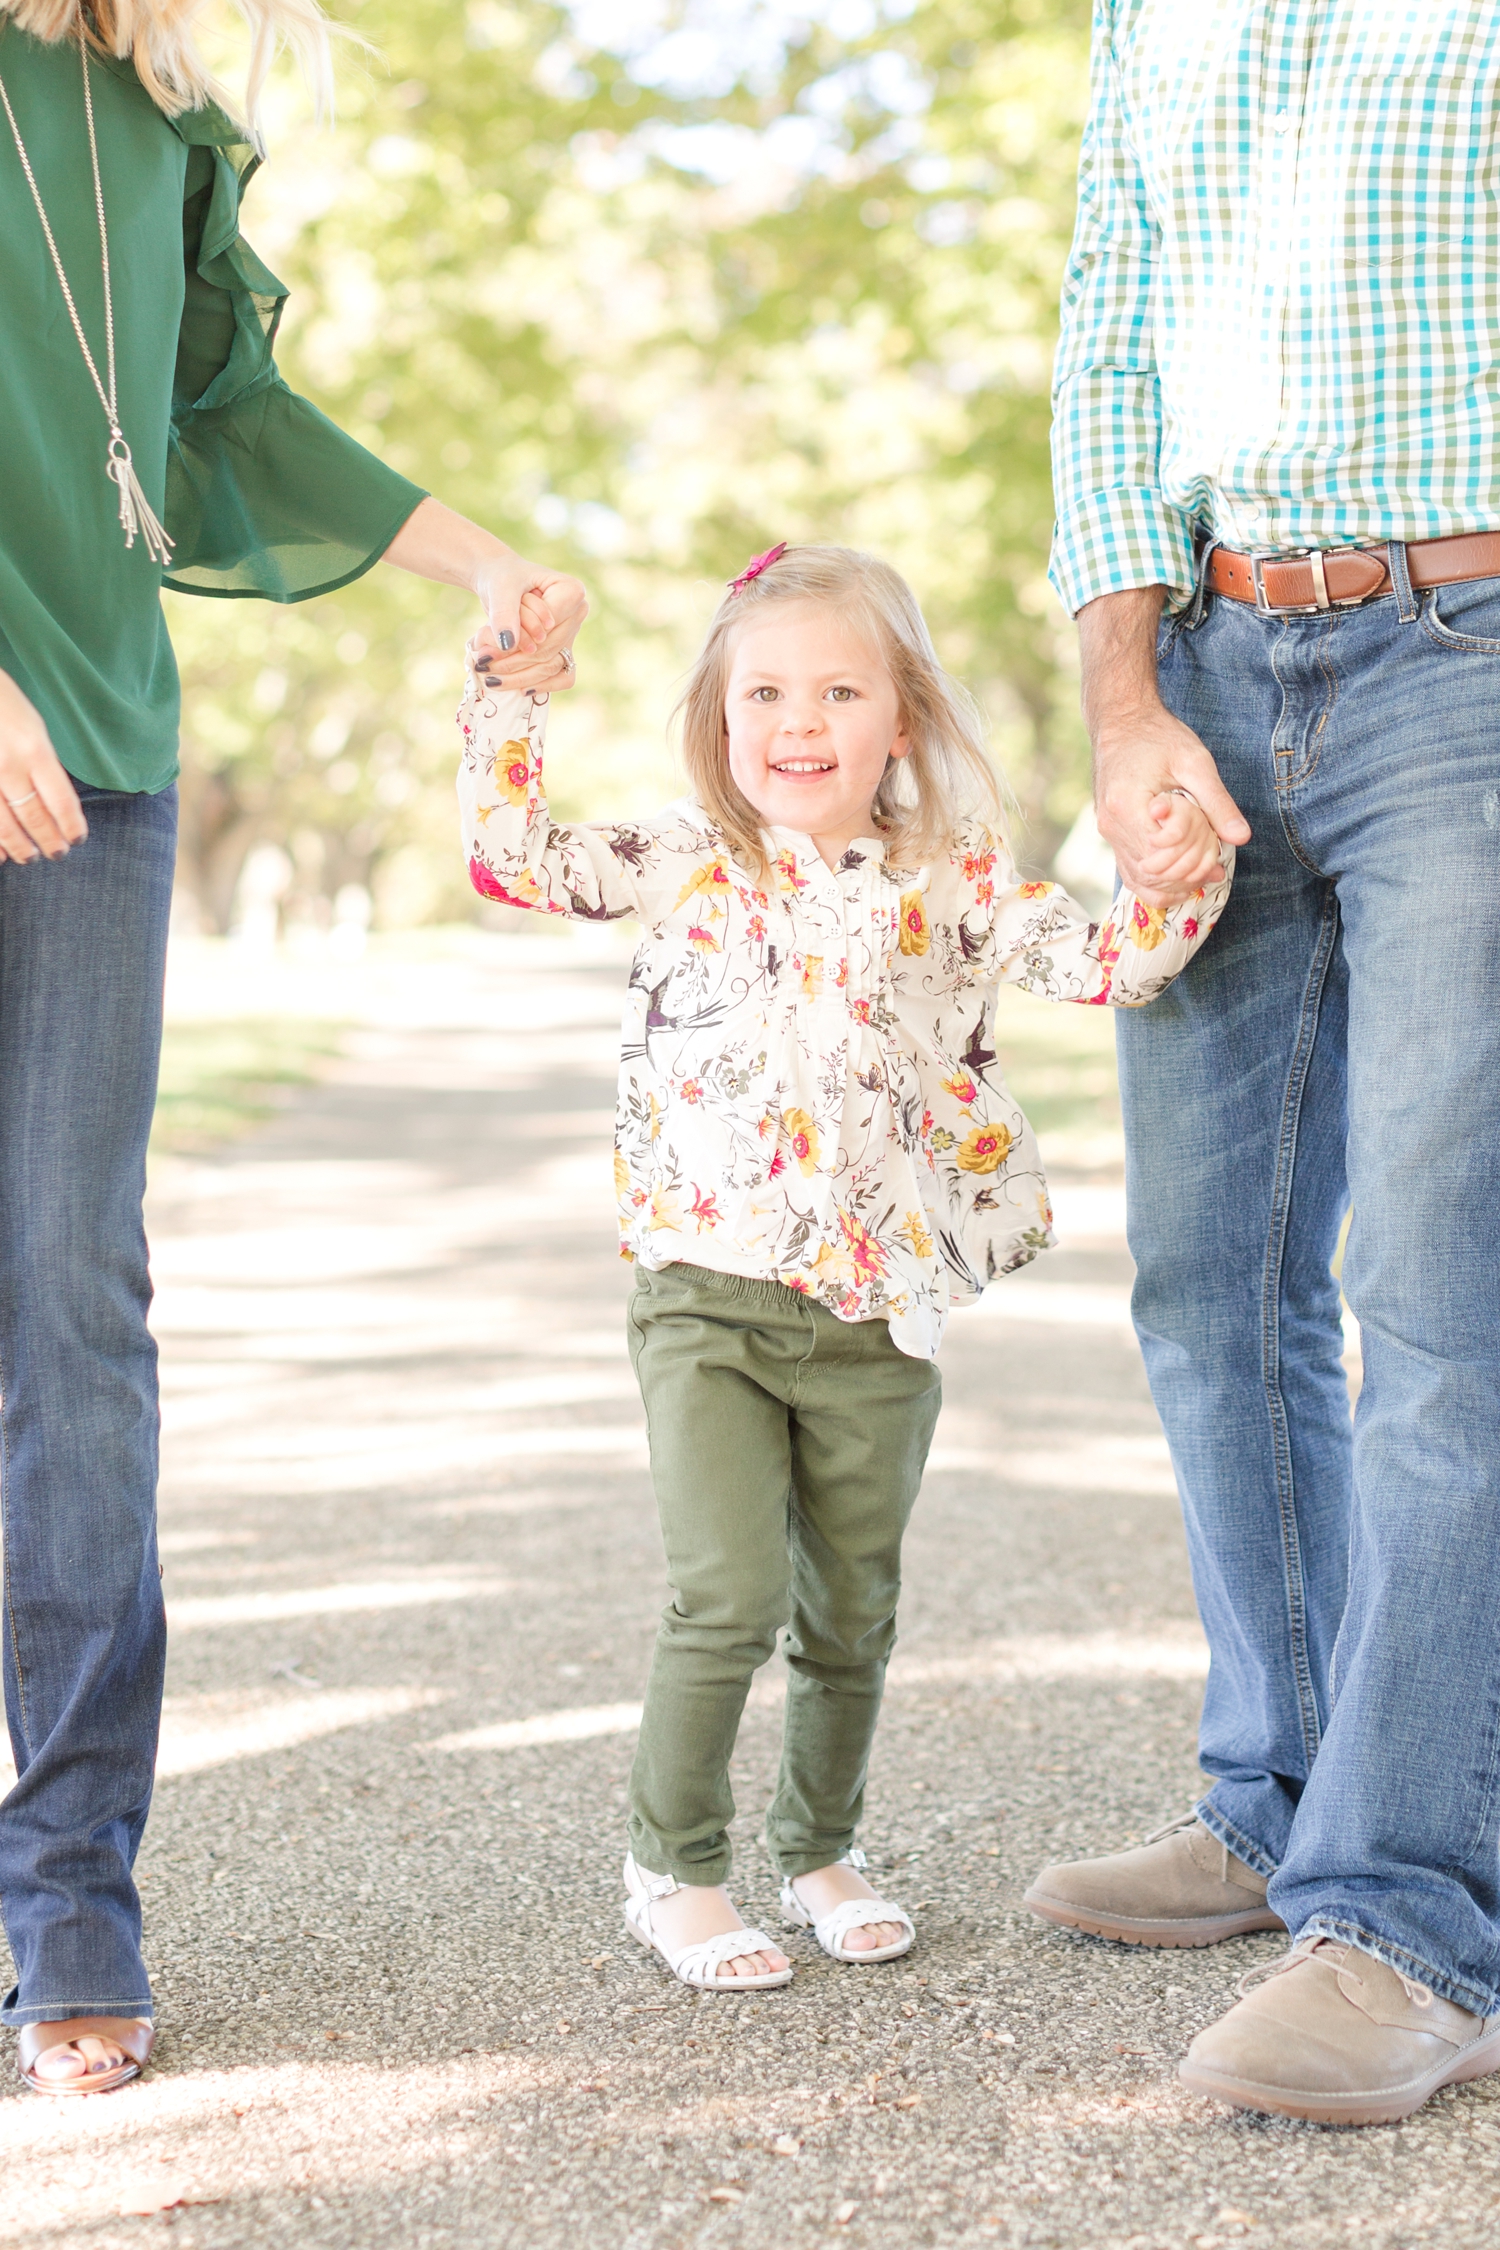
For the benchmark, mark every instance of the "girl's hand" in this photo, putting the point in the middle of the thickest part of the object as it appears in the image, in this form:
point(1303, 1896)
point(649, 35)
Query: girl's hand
point(1183, 853)
point(39, 808)
point(547, 610)
point(545, 673)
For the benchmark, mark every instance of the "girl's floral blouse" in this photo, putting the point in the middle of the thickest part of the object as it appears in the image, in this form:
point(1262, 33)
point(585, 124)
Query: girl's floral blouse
point(807, 1087)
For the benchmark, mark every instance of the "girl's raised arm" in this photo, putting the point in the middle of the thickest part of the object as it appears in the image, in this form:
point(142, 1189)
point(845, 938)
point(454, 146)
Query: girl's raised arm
point(594, 871)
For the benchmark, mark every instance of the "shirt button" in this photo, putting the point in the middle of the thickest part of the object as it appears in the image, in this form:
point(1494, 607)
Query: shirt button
point(1282, 122)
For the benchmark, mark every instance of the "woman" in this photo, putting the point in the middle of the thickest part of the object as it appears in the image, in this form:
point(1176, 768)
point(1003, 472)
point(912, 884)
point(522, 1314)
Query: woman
point(142, 423)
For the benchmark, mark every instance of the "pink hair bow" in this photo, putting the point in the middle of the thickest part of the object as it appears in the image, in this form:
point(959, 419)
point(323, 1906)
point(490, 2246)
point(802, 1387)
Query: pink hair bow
point(754, 569)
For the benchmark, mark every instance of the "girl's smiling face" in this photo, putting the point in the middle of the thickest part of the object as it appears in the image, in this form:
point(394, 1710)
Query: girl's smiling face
point(811, 716)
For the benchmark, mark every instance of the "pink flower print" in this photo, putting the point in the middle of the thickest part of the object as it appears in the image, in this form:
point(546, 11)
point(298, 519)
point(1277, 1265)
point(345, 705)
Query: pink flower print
point(691, 1090)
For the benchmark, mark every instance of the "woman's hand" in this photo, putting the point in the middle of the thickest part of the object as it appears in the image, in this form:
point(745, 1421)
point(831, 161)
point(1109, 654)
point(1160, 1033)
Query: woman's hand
point(533, 612)
point(39, 808)
point(545, 673)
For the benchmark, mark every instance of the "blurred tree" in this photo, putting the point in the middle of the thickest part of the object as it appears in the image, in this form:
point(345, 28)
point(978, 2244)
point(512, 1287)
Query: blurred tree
point(648, 310)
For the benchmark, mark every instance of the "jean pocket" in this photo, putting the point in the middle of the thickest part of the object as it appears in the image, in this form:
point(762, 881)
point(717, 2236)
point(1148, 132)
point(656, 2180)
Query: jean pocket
point(1464, 617)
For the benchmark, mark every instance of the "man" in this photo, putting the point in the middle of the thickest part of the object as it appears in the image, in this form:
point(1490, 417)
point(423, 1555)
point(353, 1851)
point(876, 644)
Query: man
point(1278, 402)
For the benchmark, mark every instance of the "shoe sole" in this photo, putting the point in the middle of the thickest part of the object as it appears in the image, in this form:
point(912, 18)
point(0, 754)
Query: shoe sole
point(1125, 1929)
point(1476, 2061)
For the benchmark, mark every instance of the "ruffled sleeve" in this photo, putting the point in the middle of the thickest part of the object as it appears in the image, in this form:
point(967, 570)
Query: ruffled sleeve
point(265, 496)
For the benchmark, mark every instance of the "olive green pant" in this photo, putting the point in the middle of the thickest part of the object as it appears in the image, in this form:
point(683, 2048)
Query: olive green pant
point(787, 1448)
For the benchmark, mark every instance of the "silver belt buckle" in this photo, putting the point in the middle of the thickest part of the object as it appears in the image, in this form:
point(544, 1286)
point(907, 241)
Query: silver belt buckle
point(1315, 558)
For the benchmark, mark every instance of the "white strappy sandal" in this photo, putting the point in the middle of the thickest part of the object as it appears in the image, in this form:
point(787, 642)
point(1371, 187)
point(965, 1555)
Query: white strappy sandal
point(698, 1964)
point(831, 1929)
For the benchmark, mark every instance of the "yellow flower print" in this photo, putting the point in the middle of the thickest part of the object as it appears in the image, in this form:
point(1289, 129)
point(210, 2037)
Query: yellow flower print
point(1035, 890)
point(622, 1177)
point(513, 771)
point(812, 976)
point(962, 1087)
point(664, 1211)
point(713, 876)
point(984, 1149)
point(914, 1229)
point(654, 1108)
point(1148, 926)
point(803, 1135)
point(916, 931)
point(787, 878)
point(703, 941)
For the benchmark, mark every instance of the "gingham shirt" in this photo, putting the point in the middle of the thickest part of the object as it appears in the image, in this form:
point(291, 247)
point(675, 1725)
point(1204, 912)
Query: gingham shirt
point(1280, 317)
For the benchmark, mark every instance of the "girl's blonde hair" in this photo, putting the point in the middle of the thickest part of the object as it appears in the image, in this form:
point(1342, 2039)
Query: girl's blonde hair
point(159, 37)
point(923, 798)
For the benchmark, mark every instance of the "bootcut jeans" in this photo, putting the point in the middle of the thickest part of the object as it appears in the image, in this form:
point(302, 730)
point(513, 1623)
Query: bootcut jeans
point(1337, 1044)
point(82, 948)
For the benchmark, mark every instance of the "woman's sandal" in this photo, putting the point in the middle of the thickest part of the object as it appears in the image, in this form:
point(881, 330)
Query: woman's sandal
point(133, 2035)
point(832, 1928)
point(698, 1964)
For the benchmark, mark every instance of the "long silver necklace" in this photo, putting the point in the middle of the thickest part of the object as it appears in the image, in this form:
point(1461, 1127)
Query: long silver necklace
point(136, 514)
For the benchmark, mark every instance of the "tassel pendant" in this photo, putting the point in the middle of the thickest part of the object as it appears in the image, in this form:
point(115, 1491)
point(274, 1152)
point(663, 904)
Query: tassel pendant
point(136, 514)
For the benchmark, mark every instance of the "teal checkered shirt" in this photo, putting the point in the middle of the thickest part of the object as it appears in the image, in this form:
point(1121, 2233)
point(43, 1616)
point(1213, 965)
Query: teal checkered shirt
point(1281, 317)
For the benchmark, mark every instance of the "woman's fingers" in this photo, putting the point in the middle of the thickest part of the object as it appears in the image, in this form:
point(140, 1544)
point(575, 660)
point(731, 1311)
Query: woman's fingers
point(39, 808)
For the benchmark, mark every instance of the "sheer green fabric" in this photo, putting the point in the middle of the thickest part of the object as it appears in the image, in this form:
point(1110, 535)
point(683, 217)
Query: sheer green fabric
point(262, 495)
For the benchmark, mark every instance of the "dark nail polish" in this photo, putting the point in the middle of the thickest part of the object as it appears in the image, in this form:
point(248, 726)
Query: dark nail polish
point(507, 640)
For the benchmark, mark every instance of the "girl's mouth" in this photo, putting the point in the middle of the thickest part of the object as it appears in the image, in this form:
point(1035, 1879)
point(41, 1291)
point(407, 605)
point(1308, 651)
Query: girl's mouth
point(802, 769)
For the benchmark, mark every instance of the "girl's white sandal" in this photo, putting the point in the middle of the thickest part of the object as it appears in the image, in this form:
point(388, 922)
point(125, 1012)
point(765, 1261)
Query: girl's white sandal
point(698, 1964)
point(831, 1929)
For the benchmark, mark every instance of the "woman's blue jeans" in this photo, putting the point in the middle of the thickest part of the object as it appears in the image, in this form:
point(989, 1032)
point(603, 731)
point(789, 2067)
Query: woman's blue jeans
point(82, 947)
point(1337, 1044)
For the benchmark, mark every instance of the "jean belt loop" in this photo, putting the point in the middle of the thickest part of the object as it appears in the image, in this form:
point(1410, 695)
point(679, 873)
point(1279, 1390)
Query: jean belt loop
point(1192, 617)
point(1407, 605)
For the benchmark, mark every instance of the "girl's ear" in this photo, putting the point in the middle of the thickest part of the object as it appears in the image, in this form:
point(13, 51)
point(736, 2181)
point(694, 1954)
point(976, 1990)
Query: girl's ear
point(901, 747)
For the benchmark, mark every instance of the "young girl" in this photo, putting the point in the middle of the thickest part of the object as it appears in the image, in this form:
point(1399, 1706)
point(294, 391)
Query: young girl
point(816, 1156)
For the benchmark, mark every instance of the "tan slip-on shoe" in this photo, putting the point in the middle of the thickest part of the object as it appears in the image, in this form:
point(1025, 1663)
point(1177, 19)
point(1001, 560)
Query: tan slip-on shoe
point(1336, 2036)
point(1181, 1887)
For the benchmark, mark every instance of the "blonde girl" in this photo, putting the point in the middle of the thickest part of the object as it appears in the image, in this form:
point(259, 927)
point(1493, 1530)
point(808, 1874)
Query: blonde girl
point(816, 1157)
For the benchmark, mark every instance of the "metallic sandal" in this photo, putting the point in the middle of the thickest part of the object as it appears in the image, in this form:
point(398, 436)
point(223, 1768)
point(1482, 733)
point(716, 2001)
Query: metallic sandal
point(134, 2035)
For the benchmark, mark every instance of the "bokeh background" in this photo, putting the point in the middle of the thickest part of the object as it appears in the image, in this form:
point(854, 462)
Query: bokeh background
point(644, 287)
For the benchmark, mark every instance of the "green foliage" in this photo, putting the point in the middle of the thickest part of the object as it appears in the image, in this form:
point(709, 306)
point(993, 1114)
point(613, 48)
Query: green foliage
point(645, 329)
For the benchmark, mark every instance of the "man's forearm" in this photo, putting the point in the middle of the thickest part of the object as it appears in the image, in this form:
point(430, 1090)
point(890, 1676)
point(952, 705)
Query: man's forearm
point(1117, 645)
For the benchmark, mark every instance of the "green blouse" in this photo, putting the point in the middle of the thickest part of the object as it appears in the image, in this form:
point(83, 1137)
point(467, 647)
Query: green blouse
point(262, 494)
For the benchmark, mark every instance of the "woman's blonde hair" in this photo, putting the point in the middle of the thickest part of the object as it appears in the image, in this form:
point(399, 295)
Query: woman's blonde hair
point(159, 37)
point(924, 797)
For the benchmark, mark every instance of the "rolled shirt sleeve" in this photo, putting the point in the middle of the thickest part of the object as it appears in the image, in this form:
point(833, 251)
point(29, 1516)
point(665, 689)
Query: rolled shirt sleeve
point(265, 497)
point(1115, 529)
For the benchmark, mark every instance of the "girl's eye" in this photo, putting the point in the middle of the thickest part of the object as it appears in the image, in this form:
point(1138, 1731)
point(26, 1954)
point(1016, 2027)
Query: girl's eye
point(842, 694)
point(764, 694)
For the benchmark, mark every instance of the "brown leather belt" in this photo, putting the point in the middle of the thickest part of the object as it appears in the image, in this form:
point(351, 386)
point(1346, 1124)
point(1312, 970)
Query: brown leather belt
point(1302, 582)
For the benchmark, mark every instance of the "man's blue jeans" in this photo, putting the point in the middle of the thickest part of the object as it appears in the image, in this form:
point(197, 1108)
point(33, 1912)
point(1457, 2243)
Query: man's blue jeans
point(1337, 1043)
point(82, 945)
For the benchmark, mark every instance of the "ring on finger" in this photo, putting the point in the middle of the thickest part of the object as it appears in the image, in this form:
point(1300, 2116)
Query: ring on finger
point(16, 802)
point(565, 658)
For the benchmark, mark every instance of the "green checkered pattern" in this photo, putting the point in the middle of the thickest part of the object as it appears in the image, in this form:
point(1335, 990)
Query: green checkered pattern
point(1281, 317)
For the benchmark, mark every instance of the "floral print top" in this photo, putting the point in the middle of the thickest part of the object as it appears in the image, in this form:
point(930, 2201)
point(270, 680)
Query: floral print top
point(808, 1092)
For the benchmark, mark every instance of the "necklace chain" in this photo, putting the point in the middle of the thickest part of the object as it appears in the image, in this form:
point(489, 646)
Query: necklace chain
point(135, 513)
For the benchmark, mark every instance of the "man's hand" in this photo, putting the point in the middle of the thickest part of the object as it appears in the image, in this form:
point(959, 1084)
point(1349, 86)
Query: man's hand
point(1142, 755)
point(39, 808)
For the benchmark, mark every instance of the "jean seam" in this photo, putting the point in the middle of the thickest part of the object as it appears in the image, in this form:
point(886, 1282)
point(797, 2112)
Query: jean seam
point(1224, 1832)
point(11, 1626)
point(1479, 2000)
point(1281, 1196)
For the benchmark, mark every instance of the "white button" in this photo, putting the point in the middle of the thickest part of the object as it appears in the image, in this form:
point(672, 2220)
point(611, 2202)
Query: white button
point(1282, 123)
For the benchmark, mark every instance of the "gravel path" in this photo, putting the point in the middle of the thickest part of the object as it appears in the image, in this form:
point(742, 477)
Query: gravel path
point(412, 1561)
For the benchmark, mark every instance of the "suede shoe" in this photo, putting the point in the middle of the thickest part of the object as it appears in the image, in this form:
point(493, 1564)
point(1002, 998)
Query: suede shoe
point(1336, 2036)
point(1181, 1887)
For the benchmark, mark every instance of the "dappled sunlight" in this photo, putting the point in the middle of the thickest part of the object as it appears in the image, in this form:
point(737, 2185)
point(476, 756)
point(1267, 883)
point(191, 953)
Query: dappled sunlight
point(195, 1614)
